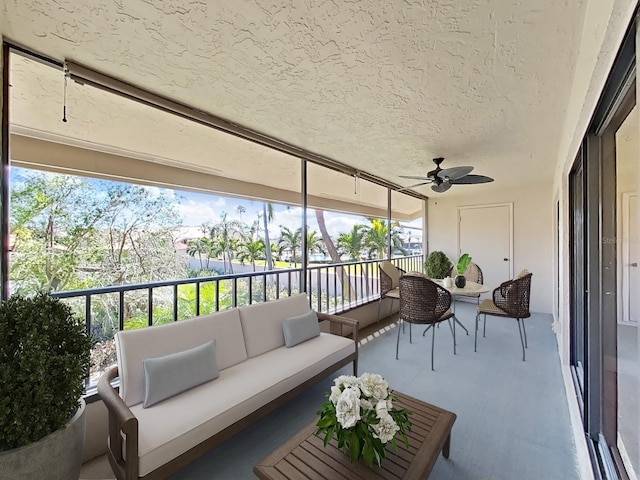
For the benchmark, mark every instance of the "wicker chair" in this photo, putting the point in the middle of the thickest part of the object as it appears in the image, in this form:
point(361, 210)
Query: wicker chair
point(510, 299)
point(423, 301)
point(389, 277)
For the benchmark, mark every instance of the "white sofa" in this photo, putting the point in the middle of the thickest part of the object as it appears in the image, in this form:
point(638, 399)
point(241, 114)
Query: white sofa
point(257, 373)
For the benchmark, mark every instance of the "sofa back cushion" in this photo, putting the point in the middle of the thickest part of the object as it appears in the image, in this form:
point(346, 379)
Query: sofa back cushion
point(134, 346)
point(262, 322)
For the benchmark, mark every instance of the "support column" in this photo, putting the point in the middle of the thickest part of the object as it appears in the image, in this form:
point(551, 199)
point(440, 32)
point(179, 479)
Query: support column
point(4, 173)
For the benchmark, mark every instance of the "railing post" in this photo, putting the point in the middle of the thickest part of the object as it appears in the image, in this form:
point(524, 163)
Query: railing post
point(335, 288)
point(234, 293)
point(197, 299)
point(121, 310)
point(217, 295)
point(150, 307)
point(175, 303)
point(319, 288)
point(264, 287)
point(87, 323)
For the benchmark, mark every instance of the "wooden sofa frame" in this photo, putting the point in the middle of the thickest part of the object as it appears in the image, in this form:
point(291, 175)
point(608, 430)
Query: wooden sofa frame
point(123, 422)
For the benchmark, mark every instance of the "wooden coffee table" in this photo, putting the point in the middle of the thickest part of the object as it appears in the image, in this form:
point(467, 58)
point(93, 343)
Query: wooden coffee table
point(304, 455)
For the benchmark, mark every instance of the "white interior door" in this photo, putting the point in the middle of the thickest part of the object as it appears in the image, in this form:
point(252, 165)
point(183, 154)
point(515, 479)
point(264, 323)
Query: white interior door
point(630, 259)
point(485, 233)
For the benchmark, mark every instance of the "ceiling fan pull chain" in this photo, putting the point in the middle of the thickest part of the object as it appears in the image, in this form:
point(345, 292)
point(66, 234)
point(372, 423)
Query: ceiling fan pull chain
point(64, 94)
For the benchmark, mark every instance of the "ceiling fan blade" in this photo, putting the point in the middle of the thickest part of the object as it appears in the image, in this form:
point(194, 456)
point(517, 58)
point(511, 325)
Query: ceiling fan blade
point(454, 173)
point(442, 187)
point(472, 179)
point(414, 177)
point(411, 186)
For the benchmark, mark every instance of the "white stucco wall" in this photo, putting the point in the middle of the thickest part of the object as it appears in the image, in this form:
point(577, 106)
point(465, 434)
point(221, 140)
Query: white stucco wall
point(532, 233)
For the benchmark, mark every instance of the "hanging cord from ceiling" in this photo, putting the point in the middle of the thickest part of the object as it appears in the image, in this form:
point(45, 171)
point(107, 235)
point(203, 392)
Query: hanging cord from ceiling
point(64, 92)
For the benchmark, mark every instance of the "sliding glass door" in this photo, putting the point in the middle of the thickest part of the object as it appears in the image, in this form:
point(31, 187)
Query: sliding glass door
point(605, 251)
point(621, 369)
point(578, 268)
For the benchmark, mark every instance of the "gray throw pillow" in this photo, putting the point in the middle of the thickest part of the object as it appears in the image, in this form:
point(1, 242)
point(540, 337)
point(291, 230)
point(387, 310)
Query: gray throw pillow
point(172, 374)
point(300, 328)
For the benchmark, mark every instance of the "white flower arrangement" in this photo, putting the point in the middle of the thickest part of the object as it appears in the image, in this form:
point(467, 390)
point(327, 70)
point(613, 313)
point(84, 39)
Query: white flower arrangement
point(360, 412)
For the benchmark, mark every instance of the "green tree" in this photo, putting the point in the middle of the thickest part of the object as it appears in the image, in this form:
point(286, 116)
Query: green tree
point(198, 247)
point(352, 243)
point(51, 235)
point(375, 238)
point(268, 216)
point(290, 240)
point(251, 250)
point(74, 233)
point(227, 232)
point(315, 244)
point(138, 218)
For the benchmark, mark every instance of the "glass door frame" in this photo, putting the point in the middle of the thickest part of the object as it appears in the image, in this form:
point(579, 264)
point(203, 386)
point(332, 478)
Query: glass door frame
point(593, 277)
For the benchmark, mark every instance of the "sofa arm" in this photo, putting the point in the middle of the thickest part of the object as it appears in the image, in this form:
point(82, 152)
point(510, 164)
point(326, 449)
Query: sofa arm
point(336, 323)
point(121, 421)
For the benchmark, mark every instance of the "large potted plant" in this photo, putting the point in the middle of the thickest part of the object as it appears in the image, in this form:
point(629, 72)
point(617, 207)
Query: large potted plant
point(44, 359)
point(437, 265)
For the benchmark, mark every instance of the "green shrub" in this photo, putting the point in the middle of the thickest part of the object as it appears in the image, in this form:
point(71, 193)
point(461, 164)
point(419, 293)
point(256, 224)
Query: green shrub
point(437, 265)
point(44, 359)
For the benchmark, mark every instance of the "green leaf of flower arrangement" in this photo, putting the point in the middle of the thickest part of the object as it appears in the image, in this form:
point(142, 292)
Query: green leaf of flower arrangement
point(325, 422)
point(329, 435)
point(368, 454)
point(354, 446)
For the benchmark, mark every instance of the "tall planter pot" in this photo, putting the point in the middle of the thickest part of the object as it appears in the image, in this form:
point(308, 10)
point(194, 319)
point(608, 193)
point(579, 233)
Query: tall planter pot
point(58, 456)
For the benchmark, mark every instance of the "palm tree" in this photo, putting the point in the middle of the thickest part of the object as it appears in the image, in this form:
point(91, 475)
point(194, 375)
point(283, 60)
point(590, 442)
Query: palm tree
point(251, 250)
point(315, 244)
point(375, 238)
point(352, 243)
point(225, 231)
point(240, 209)
point(290, 241)
point(267, 217)
point(197, 247)
point(213, 249)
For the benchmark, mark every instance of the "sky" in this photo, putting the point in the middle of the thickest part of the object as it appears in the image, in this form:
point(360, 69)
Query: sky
point(197, 209)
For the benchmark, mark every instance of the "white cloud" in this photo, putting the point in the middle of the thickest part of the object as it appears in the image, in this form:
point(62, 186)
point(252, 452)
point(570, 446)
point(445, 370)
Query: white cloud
point(196, 212)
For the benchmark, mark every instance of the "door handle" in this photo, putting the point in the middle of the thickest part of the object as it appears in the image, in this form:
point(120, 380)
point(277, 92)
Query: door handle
point(634, 264)
point(505, 259)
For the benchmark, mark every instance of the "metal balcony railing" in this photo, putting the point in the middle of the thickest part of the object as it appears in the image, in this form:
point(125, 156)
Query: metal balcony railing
point(332, 288)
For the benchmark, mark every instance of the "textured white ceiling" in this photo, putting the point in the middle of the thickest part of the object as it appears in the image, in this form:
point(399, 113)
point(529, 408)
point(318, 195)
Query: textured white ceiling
point(381, 86)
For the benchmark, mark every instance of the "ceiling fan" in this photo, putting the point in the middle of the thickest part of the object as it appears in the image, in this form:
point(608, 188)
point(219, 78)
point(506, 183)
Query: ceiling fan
point(442, 178)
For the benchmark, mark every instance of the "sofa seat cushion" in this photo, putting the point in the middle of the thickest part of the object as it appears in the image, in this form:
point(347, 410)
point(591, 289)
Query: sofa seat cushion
point(172, 427)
